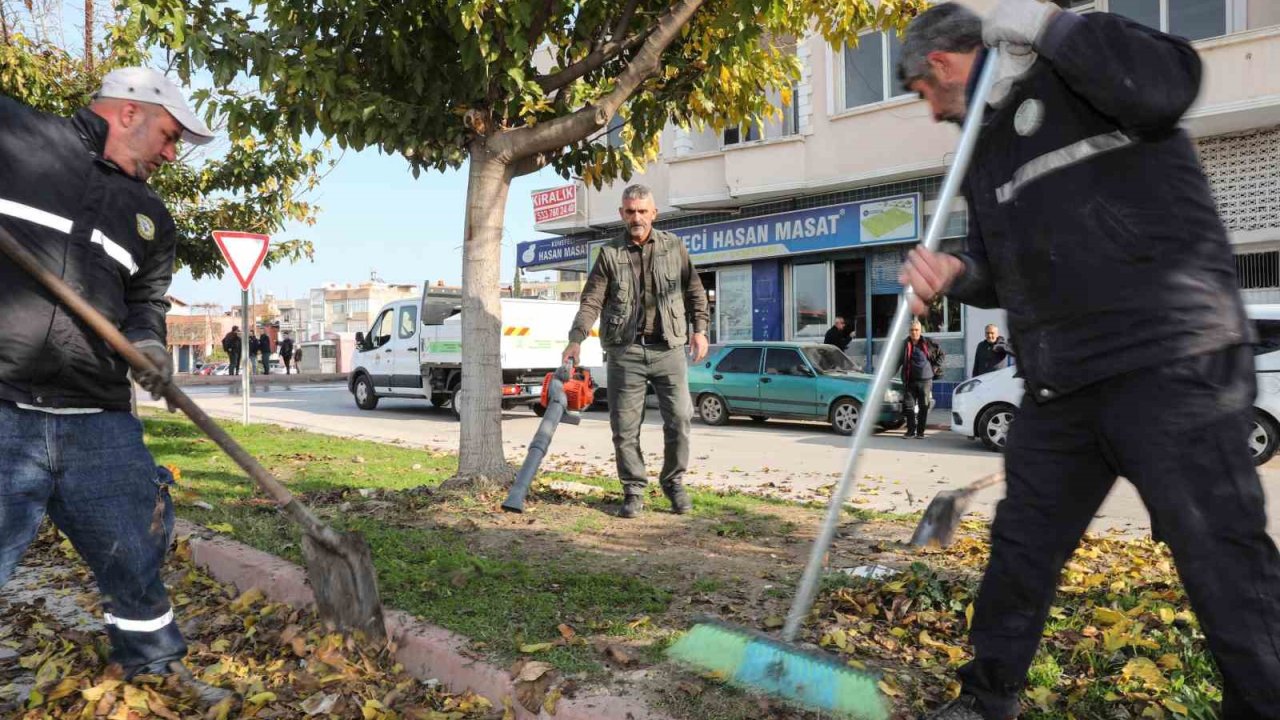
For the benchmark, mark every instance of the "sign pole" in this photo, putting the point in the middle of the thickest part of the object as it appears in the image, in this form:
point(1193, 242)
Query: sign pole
point(245, 383)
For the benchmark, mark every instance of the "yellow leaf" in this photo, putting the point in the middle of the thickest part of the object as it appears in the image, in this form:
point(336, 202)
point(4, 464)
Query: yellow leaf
point(224, 528)
point(1043, 697)
point(262, 698)
point(246, 600)
point(1167, 615)
point(95, 693)
point(1143, 669)
point(1169, 661)
point(549, 703)
point(135, 697)
point(1175, 707)
point(63, 689)
point(968, 617)
point(1107, 616)
point(536, 647)
point(888, 687)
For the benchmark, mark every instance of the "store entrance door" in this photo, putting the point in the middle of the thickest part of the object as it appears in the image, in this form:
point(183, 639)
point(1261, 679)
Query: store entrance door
point(851, 296)
point(708, 278)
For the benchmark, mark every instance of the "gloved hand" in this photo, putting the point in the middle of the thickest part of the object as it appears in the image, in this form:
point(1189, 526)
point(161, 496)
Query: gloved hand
point(1015, 61)
point(1017, 22)
point(156, 381)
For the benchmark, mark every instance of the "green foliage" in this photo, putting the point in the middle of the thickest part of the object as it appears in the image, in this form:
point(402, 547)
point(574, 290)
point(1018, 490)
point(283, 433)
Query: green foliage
point(256, 185)
point(425, 79)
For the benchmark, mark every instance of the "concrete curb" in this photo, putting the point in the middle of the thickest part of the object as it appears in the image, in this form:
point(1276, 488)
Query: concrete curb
point(425, 651)
point(187, 380)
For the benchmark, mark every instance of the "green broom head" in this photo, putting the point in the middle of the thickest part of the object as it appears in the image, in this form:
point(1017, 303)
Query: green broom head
point(757, 663)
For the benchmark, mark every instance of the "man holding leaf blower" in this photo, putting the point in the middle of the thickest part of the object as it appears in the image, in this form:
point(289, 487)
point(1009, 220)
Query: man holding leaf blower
point(73, 192)
point(1092, 225)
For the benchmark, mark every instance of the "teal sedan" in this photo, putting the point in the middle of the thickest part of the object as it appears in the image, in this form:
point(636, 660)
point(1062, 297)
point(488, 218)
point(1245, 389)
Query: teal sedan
point(798, 381)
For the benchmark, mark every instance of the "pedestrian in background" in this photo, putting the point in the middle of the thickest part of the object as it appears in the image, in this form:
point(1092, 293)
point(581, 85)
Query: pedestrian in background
point(286, 351)
point(231, 344)
point(838, 335)
point(1093, 226)
point(649, 293)
point(919, 360)
point(992, 352)
point(264, 350)
point(74, 193)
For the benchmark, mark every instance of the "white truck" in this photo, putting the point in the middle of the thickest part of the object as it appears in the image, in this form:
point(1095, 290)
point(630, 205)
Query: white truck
point(414, 350)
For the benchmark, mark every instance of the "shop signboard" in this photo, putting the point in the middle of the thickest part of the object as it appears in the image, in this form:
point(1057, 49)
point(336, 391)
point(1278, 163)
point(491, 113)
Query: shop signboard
point(551, 252)
point(555, 203)
point(870, 222)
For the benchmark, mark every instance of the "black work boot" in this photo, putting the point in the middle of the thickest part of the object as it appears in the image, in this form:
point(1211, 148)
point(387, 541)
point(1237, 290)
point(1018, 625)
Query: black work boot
point(632, 504)
point(204, 694)
point(962, 708)
point(680, 502)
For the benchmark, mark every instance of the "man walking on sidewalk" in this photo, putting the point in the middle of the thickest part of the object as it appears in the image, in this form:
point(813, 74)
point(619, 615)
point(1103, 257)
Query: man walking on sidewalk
point(74, 194)
point(992, 353)
point(1093, 227)
point(649, 293)
point(286, 351)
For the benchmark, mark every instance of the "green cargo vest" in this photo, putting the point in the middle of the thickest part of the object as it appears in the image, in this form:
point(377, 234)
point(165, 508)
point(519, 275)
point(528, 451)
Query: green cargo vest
point(620, 315)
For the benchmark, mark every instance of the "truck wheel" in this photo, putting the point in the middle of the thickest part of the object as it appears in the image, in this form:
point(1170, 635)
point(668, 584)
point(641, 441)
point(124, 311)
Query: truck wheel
point(366, 398)
point(453, 404)
point(538, 408)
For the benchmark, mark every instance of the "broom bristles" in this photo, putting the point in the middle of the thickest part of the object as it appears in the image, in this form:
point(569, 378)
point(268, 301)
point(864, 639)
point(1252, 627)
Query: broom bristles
point(756, 662)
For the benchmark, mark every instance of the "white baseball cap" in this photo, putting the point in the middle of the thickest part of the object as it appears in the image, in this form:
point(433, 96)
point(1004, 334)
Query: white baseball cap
point(148, 86)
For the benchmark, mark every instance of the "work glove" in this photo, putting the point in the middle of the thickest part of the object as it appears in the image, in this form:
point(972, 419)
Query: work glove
point(1018, 22)
point(1015, 26)
point(1015, 61)
point(155, 381)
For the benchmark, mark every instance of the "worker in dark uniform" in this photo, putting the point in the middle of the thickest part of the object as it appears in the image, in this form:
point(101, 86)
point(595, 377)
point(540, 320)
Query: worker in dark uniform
point(74, 194)
point(1092, 225)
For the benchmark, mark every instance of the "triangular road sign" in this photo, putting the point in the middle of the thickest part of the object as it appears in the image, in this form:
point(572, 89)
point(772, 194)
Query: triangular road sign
point(243, 251)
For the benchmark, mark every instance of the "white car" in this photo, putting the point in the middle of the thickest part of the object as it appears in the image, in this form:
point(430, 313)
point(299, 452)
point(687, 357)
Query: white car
point(984, 407)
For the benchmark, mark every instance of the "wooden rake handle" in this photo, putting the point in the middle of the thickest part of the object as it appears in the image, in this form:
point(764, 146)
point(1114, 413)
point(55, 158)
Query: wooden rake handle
point(176, 398)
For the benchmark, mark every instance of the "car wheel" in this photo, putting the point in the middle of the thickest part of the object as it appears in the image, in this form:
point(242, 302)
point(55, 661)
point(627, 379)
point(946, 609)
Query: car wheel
point(712, 410)
point(759, 418)
point(1263, 438)
point(366, 398)
point(538, 408)
point(844, 415)
point(993, 426)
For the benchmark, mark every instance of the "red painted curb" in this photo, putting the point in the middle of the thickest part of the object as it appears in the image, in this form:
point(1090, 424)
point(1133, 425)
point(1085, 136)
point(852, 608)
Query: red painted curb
point(425, 651)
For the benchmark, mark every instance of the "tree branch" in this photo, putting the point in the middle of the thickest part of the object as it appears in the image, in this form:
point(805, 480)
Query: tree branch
point(541, 15)
point(555, 134)
point(599, 55)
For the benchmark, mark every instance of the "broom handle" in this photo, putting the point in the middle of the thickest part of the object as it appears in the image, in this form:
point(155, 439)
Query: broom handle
point(175, 397)
point(885, 369)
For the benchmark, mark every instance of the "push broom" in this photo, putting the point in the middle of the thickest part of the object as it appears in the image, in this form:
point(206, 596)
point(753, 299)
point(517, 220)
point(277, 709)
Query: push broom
point(776, 667)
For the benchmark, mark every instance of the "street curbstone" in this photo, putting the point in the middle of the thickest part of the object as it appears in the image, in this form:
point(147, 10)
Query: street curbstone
point(426, 651)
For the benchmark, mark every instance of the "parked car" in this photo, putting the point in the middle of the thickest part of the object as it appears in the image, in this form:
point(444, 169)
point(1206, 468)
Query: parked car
point(984, 407)
point(802, 381)
point(222, 369)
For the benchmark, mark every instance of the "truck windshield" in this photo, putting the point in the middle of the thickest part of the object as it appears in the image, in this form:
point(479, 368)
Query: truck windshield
point(827, 359)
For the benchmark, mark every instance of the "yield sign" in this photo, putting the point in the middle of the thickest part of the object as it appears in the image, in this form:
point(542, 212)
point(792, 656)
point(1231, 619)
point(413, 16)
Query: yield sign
point(243, 251)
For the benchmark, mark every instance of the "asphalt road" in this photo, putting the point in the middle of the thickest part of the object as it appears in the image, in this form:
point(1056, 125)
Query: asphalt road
point(792, 459)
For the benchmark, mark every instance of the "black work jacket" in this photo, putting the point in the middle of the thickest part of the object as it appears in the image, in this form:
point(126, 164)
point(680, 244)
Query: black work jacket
point(103, 232)
point(1091, 222)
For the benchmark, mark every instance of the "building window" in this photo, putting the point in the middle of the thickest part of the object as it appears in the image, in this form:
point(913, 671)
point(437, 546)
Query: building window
point(869, 71)
point(809, 300)
point(1191, 19)
point(1258, 271)
point(358, 306)
point(339, 308)
point(784, 123)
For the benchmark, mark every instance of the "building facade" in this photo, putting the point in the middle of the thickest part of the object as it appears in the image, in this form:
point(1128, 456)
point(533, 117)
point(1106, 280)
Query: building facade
point(809, 216)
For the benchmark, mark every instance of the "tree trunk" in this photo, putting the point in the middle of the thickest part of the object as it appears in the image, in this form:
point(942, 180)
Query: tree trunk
point(481, 461)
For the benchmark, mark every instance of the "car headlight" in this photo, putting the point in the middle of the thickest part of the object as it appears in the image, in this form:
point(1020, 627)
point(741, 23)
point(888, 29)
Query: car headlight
point(967, 386)
point(892, 396)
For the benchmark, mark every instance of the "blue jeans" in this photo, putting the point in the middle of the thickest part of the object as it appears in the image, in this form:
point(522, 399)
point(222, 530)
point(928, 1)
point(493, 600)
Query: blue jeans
point(101, 487)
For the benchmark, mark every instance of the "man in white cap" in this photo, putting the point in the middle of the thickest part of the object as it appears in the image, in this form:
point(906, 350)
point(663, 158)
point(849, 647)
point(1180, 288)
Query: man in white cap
point(73, 192)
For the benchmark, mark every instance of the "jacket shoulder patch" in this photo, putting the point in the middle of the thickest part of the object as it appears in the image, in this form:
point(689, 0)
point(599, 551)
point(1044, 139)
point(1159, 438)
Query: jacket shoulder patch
point(146, 227)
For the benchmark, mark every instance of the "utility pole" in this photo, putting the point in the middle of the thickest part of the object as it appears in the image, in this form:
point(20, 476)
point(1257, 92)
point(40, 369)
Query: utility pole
point(88, 34)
